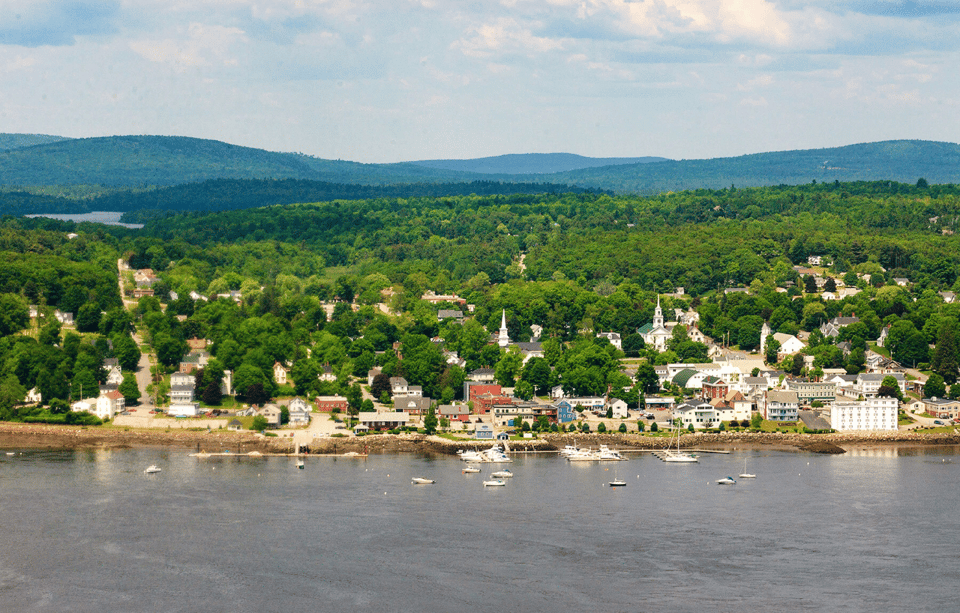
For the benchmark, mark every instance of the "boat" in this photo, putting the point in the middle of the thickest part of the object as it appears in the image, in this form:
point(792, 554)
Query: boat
point(300, 464)
point(497, 455)
point(471, 456)
point(745, 474)
point(10, 453)
point(422, 481)
point(494, 483)
point(678, 456)
point(471, 469)
point(583, 455)
point(618, 483)
point(153, 468)
point(726, 481)
point(502, 474)
point(610, 455)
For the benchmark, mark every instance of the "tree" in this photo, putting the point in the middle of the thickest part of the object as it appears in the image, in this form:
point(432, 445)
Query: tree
point(889, 388)
point(260, 423)
point(126, 352)
point(50, 333)
point(523, 390)
point(944, 360)
point(255, 394)
point(809, 284)
point(653, 427)
point(830, 285)
point(934, 387)
point(602, 428)
point(647, 379)
point(756, 421)
point(14, 314)
point(212, 395)
point(430, 421)
point(797, 364)
point(641, 426)
point(690, 427)
point(367, 406)
point(129, 388)
point(623, 428)
point(771, 350)
point(88, 317)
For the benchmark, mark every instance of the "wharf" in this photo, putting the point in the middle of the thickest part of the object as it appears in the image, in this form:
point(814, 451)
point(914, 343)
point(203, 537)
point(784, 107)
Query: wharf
point(256, 454)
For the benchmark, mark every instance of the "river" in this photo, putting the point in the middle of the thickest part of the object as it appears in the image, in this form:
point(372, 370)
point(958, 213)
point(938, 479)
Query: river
point(110, 218)
point(869, 530)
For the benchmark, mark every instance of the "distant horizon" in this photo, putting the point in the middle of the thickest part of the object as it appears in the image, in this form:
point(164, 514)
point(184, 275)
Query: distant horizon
point(531, 153)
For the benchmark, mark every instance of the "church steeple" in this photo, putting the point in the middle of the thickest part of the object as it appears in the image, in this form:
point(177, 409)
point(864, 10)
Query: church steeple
point(503, 339)
point(658, 315)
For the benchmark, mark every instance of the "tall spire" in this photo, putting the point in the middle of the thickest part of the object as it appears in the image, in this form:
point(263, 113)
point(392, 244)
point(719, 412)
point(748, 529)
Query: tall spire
point(503, 339)
point(658, 315)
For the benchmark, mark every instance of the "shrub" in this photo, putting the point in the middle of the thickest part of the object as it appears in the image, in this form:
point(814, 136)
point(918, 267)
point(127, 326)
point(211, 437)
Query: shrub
point(601, 428)
point(654, 427)
point(622, 428)
point(690, 427)
point(641, 426)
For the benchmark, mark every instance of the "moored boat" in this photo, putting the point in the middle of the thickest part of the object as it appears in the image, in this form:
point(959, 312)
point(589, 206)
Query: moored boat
point(494, 483)
point(422, 481)
point(153, 468)
point(726, 481)
point(502, 474)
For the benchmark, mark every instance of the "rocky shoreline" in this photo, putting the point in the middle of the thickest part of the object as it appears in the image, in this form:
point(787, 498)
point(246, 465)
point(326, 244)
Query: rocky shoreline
point(38, 436)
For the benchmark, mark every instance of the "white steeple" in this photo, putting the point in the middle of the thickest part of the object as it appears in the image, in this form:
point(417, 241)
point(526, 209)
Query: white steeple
point(658, 315)
point(503, 339)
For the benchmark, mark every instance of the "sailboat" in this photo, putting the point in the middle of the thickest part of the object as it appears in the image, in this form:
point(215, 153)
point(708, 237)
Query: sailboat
point(745, 474)
point(617, 481)
point(678, 456)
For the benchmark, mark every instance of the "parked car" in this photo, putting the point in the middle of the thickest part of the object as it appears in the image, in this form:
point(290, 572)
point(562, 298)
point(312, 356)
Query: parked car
point(937, 422)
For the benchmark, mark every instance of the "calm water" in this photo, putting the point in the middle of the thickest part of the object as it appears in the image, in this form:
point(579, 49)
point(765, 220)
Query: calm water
point(88, 531)
point(110, 218)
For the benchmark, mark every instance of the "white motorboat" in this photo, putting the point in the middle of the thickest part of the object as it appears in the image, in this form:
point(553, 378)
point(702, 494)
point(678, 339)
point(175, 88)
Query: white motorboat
point(300, 464)
point(726, 481)
point(494, 483)
point(422, 481)
point(153, 468)
point(583, 455)
point(610, 455)
point(618, 483)
point(502, 474)
point(495, 454)
point(471, 469)
point(471, 456)
point(10, 453)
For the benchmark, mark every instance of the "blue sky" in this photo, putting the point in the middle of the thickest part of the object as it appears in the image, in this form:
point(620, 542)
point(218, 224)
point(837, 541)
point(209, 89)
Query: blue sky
point(385, 81)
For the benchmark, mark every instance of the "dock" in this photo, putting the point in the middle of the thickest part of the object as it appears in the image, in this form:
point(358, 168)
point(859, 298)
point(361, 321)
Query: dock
point(256, 454)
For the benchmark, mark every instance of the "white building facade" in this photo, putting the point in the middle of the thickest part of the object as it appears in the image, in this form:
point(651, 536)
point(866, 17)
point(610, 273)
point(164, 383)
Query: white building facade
point(872, 414)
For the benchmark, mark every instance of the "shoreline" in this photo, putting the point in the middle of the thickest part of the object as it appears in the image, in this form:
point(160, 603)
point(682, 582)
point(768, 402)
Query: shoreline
point(42, 436)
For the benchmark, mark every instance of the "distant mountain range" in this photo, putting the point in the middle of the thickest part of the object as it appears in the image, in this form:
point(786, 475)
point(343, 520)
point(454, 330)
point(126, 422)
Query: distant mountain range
point(531, 163)
point(157, 161)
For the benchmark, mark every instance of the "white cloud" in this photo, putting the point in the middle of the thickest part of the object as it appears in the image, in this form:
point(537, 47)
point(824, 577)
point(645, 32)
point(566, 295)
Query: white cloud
point(198, 45)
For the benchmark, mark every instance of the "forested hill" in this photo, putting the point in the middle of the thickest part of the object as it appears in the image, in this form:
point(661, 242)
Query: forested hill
point(18, 141)
point(901, 160)
point(532, 163)
point(152, 161)
point(229, 194)
point(173, 160)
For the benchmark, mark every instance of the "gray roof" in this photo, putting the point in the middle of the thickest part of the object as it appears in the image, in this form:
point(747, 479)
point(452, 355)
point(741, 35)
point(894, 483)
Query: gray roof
point(782, 397)
point(530, 346)
point(755, 380)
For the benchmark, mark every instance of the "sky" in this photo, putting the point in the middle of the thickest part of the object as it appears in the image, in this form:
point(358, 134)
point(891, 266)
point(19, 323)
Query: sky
point(395, 80)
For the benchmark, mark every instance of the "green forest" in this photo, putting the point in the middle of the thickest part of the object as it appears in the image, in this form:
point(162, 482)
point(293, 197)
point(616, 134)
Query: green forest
point(574, 264)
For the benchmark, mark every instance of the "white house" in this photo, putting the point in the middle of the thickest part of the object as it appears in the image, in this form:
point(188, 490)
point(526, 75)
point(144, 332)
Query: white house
point(184, 409)
point(613, 337)
point(279, 373)
point(789, 344)
point(697, 412)
point(780, 406)
point(868, 384)
point(618, 408)
point(33, 396)
point(879, 413)
point(398, 386)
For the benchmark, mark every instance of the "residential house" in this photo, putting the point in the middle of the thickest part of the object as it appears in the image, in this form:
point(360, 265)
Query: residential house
point(883, 336)
point(454, 412)
point(373, 372)
point(299, 412)
point(617, 408)
point(530, 350)
point(64, 318)
point(780, 405)
point(755, 386)
point(831, 329)
point(483, 432)
point(271, 413)
point(279, 373)
point(436, 298)
point(327, 374)
point(733, 406)
point(789, 345)
point(871, 414)
point(901, 281)
point(194, 361)
point(398, 386)
point(484, 403)
point(472, 388)
point(414, 405)
point(713, 387)
point(613, 337)
point(948, 297)
point(235, 425)
point(565, 412)
point(697, 412)
point(484, 375)
point(589, 403)
point(455, 315)
point(33, 397)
